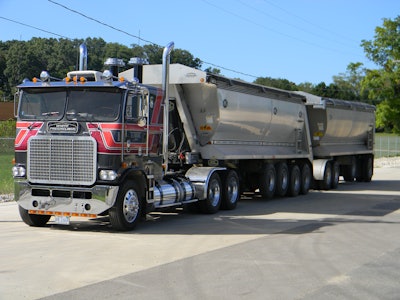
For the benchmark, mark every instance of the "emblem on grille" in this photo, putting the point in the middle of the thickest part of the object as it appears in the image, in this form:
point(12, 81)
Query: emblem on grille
point(62, 127)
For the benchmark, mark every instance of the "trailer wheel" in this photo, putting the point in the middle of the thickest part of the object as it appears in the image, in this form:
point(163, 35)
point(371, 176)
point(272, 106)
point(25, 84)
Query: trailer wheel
point(127, 210)
point(306, 178)
point(350, 171)
point(366, 169)
point(295, 181)
point(211, 204)
point(231, 191)
point(326, 182)
point(335, 174)
point(268, 182)
point(31, 219)
point(282, 179)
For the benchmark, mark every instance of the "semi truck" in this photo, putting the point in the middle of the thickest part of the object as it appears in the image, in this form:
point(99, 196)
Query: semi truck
point(155, 137)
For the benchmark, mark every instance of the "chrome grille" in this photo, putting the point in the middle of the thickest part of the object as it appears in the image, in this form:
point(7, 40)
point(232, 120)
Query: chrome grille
point(62, 160)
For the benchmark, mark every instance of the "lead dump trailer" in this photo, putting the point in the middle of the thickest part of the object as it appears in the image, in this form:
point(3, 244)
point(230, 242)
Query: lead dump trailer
point(259, 133)
point(342, 134)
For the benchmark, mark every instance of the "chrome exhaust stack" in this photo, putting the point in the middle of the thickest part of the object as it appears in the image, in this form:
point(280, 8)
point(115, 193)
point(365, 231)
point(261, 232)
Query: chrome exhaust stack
point(165, 87)
point(83, 57)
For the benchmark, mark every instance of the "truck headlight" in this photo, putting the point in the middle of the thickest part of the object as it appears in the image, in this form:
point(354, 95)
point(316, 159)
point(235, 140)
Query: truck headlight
point(18, 171)
point(107, 175)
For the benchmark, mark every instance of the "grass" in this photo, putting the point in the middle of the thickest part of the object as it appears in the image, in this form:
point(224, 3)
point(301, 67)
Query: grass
point(6, 179)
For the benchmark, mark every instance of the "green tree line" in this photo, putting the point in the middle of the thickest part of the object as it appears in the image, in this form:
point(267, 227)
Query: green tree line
point(380, 86)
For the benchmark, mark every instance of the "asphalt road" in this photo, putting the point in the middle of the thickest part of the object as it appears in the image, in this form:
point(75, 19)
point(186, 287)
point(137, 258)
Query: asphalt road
point(340, 244)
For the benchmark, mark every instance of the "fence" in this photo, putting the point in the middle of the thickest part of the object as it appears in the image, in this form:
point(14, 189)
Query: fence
point(385, 145)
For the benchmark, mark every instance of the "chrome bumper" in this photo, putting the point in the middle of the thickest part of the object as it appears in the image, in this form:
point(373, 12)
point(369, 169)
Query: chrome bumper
point(49, 198)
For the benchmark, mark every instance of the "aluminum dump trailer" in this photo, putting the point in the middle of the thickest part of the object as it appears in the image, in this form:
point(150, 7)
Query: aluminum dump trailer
point(342, 132)
point(229, 119)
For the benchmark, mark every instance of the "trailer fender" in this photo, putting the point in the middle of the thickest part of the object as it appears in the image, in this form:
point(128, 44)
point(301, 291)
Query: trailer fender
point(319, 168)
point(199, 176)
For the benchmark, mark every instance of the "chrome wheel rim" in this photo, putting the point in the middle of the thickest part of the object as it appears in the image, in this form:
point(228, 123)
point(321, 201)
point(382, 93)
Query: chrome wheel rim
point(214, 192)
point(130, 207)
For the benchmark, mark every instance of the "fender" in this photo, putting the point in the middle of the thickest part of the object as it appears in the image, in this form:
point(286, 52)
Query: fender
point(200, 176)
point(319, 168)
point(131, 173)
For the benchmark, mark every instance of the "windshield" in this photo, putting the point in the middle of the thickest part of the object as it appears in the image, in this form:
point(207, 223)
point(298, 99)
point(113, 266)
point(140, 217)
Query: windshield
point(77, 105)
point(42, 106)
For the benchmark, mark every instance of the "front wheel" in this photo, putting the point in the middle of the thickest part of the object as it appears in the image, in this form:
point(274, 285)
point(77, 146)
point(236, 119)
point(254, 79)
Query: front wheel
point(127, 209)
point(33, 220)
point(211, 204)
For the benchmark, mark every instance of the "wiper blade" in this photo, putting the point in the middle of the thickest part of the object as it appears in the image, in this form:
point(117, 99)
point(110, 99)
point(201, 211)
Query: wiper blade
point(51, 113)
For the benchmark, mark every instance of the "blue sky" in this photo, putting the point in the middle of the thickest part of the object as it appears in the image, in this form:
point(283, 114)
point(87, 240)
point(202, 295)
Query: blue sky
point(299, 40)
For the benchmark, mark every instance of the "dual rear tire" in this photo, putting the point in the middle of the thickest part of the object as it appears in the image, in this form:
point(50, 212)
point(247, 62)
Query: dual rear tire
point(221, 194)
point(281, 180)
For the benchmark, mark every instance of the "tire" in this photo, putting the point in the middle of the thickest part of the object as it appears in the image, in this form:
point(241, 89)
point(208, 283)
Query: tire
point(294, 181)
point(33, 220)
point(268, 182)
point(127, 209)
point(282, 179)
point(230, 191)
point(368, 168)
point(306, 179)
point(335, 174)
point(211, 204)
point(350, 171)
point(326, 182)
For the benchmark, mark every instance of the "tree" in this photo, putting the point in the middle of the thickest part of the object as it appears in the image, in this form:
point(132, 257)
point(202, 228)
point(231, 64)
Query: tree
point(349, 83)
point(279, 83)
point(383, 85)
point(213, 70)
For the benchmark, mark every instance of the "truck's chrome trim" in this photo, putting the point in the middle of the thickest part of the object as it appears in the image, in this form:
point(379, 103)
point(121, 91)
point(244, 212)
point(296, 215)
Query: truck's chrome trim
point(94, 200)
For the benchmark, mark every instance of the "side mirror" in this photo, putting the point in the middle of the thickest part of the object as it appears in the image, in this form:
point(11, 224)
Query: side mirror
point(16, 98)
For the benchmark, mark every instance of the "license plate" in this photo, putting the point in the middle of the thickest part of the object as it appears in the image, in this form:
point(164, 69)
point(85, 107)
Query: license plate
point(62, 220)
